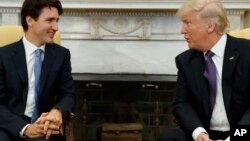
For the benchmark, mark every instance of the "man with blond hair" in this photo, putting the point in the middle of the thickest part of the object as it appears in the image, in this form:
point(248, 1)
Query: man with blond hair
point(213, 76)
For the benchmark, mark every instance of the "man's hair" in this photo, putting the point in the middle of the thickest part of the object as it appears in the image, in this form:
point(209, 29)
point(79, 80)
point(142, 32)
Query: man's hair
point(208, 11)
point(33, 9)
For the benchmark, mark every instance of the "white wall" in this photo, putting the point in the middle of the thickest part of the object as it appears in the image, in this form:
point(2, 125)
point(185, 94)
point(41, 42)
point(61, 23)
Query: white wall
point(123, 36)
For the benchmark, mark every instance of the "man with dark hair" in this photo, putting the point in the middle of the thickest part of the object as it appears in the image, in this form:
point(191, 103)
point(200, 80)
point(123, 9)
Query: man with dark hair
point(36, 85)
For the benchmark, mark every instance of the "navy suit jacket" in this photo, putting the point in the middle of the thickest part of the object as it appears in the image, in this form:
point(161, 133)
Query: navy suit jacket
point(56, 89)
point(191, 105)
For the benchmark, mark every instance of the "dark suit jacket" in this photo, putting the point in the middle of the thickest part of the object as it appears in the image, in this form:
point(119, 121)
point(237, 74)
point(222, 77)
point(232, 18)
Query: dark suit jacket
point(191, 105)
point(56, 88)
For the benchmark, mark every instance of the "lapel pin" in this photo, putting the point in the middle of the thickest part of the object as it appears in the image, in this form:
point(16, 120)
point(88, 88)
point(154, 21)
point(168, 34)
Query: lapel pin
point(231, 58)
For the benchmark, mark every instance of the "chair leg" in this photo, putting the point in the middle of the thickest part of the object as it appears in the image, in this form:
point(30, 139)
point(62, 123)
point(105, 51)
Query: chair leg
point(84, 111)
point(157, 121)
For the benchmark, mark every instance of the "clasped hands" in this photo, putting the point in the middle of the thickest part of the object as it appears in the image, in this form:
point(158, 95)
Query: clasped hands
point(47, 124)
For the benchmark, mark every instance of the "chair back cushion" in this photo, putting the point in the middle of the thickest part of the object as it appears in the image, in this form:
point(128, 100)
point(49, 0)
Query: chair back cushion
point(12, 33)
point(242, 33)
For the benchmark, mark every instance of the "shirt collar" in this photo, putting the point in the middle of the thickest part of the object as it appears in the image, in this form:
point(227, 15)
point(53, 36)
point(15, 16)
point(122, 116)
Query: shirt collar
point(219, 48)
point(31, 48)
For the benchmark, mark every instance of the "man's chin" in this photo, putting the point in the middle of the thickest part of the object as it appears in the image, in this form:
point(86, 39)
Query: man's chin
point(190, 46)
point(50, 40)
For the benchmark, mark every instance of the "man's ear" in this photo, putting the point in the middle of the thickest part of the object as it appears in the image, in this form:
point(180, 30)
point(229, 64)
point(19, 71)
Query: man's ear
point(29, 21)
point(211, 27)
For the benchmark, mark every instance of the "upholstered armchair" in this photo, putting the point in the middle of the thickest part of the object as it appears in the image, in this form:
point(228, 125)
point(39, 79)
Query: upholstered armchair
point(9, 34)
point(241, 33)
point(14, 33)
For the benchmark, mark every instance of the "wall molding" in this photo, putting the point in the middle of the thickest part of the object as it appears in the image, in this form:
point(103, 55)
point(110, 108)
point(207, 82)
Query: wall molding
point(102, 22)
point(118, 12)
point(9, 10)
point(124, 36)
point(129, 4)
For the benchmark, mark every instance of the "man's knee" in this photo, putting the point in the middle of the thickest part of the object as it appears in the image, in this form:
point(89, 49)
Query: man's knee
point(4, 136)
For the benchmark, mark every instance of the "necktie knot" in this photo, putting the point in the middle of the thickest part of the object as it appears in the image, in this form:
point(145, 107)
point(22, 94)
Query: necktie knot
point(38, 52)
point(209, 54)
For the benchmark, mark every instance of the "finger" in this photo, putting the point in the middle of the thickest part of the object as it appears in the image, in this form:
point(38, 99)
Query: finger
point(55, 132)
point(44, 114)
point(46, 126)
point(42, 118)
point(48, 134)
point(54, 127)
point(40, 129)
point(51, 132)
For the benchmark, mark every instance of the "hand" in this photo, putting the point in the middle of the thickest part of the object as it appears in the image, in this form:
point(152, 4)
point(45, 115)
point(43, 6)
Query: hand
point(52, 122)
point(203, 137)
point(51, 129)
point(34, 130)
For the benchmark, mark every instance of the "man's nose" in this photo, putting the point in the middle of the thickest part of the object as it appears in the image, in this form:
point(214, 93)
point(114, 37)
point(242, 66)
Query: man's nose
point(183, 29)
point(55, 26)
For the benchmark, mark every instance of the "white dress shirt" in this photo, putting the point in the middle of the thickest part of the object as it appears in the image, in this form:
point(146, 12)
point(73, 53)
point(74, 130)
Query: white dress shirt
point(219, 120)
point(30, 60)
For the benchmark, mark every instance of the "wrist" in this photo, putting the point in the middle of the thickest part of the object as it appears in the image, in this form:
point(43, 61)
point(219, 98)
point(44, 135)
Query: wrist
point(26, 131)
point(22, 134)
point(197, 132)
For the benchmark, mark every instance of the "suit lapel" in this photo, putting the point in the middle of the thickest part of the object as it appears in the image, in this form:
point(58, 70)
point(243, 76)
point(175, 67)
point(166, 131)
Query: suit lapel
point(49, 58)
point(230, 58)
point(198, 65)
point(19, 61)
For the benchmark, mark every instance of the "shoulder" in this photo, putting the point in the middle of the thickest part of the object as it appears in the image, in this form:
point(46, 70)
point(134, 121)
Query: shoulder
point(7, 49)
point(187, 55)
point(241, 44)
point(57, 48)
point(58, 52)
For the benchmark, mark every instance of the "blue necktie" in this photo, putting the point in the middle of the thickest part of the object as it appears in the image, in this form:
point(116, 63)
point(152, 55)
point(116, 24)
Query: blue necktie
point(210, 74)
point(37, 72)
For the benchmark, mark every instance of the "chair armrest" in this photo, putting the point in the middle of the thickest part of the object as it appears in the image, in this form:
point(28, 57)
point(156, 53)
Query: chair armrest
point(67, 128)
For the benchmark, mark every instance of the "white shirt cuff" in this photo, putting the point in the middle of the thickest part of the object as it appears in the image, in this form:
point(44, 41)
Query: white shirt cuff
point(197, 132)
point(228, 139)
point(22, 131)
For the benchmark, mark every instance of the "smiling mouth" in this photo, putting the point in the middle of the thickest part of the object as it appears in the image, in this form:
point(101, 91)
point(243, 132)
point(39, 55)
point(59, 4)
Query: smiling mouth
point(51, 34)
